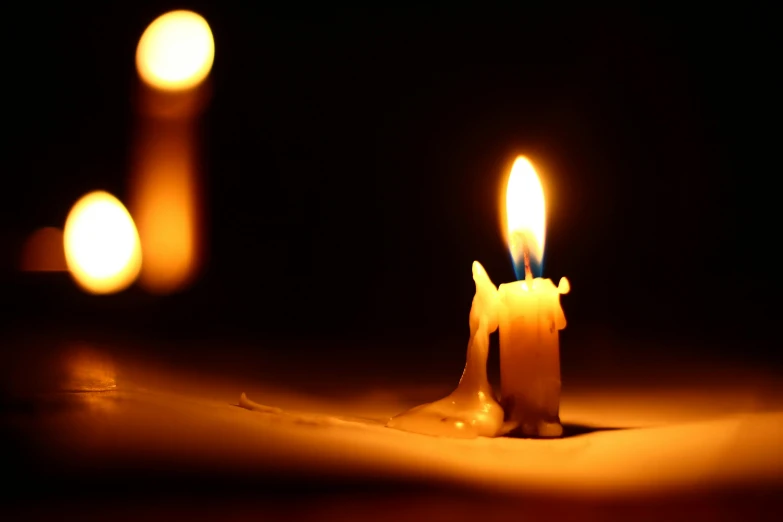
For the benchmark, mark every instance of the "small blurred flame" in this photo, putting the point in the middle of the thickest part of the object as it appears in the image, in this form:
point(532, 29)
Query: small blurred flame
point(525, 216)
point(174, 57)
point(43, 251)
point(176, 51)
point(102, 248)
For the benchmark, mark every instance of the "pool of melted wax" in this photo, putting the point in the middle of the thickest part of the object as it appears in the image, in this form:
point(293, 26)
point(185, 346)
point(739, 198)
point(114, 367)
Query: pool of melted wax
point(465, 414)
point(460, 415)
point(313, 419)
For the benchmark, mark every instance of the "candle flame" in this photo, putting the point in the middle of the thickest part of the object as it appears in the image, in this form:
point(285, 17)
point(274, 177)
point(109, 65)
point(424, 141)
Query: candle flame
point(176, 51)
point(525, 217)
point(102, 247)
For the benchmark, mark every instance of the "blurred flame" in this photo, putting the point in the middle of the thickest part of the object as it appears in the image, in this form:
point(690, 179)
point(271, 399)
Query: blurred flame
point(43, 251)
point(173, 59)
point(102, 248)
point(176, 51)
point(525, 216)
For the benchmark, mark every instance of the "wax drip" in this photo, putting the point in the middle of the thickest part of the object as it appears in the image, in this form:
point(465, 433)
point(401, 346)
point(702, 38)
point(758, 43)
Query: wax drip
point(471, 410)
point(306, 418)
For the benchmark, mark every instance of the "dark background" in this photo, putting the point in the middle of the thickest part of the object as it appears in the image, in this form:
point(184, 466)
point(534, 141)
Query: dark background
point(354, 161)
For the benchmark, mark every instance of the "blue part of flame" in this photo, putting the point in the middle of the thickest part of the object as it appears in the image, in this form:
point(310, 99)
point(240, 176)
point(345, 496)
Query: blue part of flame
point(516, 245)
point(536, 266)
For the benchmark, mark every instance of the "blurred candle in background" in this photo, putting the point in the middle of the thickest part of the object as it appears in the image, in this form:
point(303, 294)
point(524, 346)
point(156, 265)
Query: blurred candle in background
point(173, 60)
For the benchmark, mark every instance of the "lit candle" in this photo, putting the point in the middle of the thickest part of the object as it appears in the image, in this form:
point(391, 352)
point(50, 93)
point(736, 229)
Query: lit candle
point(174, 58)
point(529, 315)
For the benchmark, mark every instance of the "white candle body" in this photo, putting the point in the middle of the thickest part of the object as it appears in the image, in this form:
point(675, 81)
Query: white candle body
point(530, 317)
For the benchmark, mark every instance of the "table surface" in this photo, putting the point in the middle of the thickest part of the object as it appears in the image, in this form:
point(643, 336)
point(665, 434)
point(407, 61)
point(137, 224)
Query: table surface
point(167, 439)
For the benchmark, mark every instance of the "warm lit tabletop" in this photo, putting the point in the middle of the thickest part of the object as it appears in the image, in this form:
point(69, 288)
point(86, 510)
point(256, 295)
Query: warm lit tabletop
point(163, 435)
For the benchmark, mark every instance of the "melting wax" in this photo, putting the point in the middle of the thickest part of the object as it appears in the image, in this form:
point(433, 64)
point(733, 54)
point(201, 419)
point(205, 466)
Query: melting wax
point(471, 410)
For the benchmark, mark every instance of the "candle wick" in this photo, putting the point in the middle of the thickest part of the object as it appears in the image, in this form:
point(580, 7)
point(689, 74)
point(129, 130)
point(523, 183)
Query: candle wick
point(526, 254)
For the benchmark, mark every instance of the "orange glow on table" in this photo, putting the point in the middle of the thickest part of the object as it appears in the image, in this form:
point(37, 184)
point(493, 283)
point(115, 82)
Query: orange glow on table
point(653, 445)
point(663, 432)
point(87, 370)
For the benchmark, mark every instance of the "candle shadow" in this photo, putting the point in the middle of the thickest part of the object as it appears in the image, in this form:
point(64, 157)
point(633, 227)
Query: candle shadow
point(575, 430)
point(571, 430)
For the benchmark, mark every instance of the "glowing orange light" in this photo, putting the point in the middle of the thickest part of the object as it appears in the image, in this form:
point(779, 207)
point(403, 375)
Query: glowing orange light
point(43, 251)
point(88, 370)
point(525, 213)
point(176, 51)
point(165, 203)
point(102, 248)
